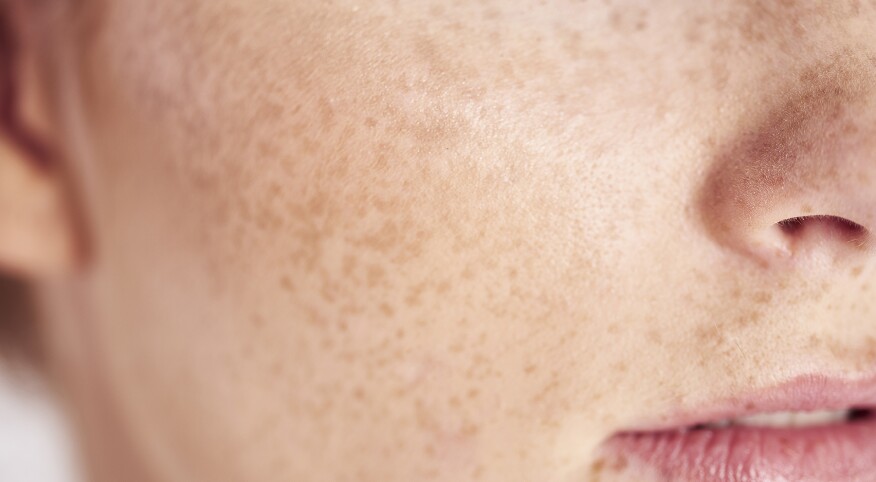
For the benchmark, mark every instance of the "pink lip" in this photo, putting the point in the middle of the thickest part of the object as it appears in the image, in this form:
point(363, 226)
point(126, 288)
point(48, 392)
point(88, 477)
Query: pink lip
point(830, 453)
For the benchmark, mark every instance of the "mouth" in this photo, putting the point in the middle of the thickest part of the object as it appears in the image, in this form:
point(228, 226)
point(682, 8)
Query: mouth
point(812, 429)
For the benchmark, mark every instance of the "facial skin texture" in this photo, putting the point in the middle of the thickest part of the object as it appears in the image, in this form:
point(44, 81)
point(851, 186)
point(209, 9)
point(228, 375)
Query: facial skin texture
point(471, 240)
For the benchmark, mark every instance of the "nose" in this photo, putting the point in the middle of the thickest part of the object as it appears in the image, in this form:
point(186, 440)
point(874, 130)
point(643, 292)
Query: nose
point(800, 184)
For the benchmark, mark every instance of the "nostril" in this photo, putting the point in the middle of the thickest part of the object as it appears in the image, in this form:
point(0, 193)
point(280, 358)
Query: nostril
point(806, 233)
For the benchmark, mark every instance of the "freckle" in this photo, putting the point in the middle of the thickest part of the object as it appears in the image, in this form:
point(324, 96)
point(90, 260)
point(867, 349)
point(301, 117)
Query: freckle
point(492, 13)
point(327, 292)
point(654, 336)
point(616, 19)
point(413, 296)
point(856, 271)
point(748, 318)
point(386, 309)
point(530, 368)
point(470, 430)
point(317, 204)
point(762, 297)
point(258, 321)
point(370, 122)
point(597, 467)
point(286, 283)
point(443, 287)
point(613, 329)
point(376, 274)
point(359, 394)
point(473, 393)
point(383, 240)
point(349, 265)
point(708, 334)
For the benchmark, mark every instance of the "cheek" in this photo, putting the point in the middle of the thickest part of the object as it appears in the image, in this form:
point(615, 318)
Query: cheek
point(409, 253)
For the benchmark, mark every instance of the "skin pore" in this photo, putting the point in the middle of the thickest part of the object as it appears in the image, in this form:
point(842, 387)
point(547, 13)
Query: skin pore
point(443, 240)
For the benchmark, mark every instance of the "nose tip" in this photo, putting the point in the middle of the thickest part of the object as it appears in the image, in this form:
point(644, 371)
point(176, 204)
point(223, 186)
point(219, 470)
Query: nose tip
point(799, 184)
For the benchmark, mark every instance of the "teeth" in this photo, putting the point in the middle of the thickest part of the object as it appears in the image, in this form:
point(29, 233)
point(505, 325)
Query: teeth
point(786, 419)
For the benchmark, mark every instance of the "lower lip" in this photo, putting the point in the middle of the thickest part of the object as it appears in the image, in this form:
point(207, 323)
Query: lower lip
point(843, 451)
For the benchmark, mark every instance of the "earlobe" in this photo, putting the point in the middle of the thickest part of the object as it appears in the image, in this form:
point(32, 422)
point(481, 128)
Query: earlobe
point(36, 230)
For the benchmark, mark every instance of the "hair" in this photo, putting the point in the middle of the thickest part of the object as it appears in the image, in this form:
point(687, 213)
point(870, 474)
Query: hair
point(18, 341)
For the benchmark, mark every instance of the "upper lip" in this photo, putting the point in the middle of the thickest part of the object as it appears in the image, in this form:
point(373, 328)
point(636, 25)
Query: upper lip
point(801, 394)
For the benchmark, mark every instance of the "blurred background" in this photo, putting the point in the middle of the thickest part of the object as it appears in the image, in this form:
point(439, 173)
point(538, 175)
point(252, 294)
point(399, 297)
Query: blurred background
point(35, 442)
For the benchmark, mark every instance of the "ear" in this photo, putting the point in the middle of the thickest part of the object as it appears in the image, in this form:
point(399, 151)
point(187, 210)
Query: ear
point(36, 229)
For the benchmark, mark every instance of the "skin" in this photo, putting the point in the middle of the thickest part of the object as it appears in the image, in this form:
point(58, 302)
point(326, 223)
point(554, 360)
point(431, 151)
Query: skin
point(412, 240)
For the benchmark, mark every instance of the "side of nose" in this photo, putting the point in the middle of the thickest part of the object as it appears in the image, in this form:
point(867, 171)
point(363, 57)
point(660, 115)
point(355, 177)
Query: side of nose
point(801, 183)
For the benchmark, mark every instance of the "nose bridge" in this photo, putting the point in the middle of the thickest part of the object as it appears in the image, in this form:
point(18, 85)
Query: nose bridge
point(812, 155)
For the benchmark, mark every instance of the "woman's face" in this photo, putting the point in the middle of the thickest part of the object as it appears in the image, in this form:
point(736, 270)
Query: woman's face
point(399, 240)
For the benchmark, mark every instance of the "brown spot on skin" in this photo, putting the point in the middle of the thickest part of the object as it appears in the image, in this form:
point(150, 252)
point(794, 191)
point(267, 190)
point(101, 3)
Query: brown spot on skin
point(258, 321)
point(654, 336)
point(383, 240)
point(349, 265)
point(376, 275)
point(747, 319)
point(414, 295)
point(597, 468)
point(856, 271)
point(709, 335)
point(762, 297)
point(286, 283)
point(443, 287)
point(387, 310)
point(359, 394)
point(628, 20)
